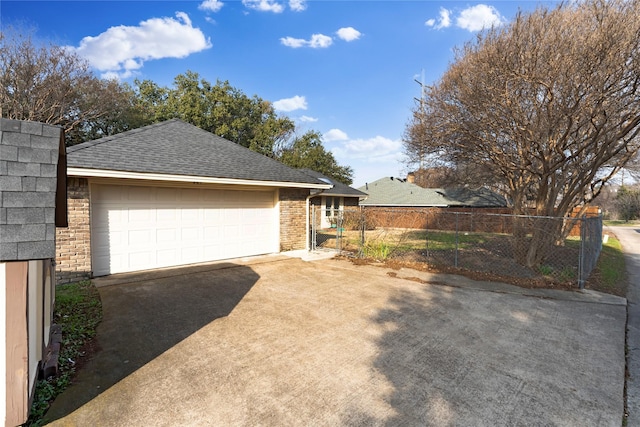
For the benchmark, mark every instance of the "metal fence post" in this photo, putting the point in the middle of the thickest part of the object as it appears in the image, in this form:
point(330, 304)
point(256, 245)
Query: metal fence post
point(363, 228)
point(455, 262)
point(581, 259)
point(313, 229)
point(426, 234)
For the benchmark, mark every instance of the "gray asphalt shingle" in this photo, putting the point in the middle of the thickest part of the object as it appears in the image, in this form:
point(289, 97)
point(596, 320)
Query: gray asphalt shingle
point(391, 191)
point(339, 189)
point(175, 147)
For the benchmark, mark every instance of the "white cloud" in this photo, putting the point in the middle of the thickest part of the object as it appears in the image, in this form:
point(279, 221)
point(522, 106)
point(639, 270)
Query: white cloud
point(444, 20)
point(316, 41)
point(477, 17)
point(348, 34)
point(297, 5)
point(211, 5)
point(371, 158)
point(375, 149)
point(121, 50)
point(264, 5)
point(335, 135)
point(320, 41)
point(307, 119)
point(293, 42)
point(291, 104)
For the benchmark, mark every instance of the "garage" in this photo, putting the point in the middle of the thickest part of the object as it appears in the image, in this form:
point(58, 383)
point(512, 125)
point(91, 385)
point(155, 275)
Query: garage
point(143, 227)
point(171, 194)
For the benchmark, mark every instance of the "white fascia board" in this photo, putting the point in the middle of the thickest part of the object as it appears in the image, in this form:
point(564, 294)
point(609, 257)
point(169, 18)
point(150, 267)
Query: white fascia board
point(381, 205)
point(103, 173)
point(324, 193)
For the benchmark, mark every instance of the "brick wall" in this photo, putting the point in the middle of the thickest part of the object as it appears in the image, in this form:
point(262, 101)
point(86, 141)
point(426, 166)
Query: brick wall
point(28, 176)
point(293, 218)
point(73, 244)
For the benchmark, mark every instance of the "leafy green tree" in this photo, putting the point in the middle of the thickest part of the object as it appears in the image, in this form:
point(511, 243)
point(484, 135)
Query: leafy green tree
point(226, 111)
point(308, 152)
point(548, 105)
point(221, 109)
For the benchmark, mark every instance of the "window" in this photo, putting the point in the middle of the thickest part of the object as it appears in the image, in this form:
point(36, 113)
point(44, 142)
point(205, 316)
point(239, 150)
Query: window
point(332, 206)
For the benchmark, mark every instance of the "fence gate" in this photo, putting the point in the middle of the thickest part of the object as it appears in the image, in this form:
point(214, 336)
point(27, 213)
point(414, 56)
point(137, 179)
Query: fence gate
point(326, 229)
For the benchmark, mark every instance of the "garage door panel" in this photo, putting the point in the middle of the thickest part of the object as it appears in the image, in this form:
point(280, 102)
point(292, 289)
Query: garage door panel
point(166, 235)
point(166, 214)
point(140, 238)
point(140, 194)
point(142, 260)
point(137, 228)
point(106, 194)
point(166, 257)
point(167, 194)
point(140, 214)
point(212, 233)
point(191, 214)
point(190, 195)
point(193, 254)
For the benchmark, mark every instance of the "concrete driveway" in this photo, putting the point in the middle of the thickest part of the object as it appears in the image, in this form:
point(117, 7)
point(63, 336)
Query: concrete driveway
point(630, 239)
point(278, 341)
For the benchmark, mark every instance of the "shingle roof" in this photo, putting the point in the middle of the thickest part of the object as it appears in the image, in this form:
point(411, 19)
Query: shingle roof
point(175, 147)
point(391, 191)
point(476, 197)
point(339, 189)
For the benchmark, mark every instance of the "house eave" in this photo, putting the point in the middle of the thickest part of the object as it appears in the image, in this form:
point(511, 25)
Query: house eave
point(104, 173)
point(392, 205)
point(329, 193)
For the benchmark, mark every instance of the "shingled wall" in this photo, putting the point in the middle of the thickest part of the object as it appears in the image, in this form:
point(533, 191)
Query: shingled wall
point(28, 176)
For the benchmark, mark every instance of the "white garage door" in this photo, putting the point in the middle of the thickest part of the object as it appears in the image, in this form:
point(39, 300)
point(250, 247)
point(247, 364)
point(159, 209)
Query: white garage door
point(138, 228)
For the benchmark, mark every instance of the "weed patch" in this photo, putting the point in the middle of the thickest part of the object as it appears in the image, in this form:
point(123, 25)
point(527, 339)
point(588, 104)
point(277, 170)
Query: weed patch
point(610, 274)
point(79, 311)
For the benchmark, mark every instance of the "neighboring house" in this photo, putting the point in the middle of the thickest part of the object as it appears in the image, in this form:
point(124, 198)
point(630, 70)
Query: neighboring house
point(475, 197)
point(172, 194)
point(333, 200)
point(398, 192)
point(32, 205)
point(421, 206)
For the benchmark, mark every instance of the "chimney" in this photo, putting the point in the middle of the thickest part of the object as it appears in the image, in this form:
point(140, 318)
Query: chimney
point(411, 178)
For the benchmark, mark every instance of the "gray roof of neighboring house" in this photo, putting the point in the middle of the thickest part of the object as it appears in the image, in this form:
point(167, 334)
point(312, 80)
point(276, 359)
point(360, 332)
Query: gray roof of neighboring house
point(175, 147)
point(476, 197)
point(339, 189)
point(391, 191)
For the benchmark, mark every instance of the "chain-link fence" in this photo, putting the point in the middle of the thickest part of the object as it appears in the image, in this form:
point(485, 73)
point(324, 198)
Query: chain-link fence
point(492, 246)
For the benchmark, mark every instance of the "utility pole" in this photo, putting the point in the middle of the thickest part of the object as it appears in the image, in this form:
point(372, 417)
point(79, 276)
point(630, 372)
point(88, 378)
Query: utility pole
point(422, 102)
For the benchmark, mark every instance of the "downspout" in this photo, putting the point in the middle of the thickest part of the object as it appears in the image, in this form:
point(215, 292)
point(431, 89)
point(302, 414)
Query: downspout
point(308, 224)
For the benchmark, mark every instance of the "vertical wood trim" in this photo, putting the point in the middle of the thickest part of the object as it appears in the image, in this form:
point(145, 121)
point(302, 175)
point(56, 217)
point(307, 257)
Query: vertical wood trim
point(17, 347)
point(48, 302)
point(3, 341)
point(34, 319)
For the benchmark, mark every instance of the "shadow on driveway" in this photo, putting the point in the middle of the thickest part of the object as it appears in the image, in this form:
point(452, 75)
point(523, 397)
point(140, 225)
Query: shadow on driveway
point(146, 314)
point(482, 358)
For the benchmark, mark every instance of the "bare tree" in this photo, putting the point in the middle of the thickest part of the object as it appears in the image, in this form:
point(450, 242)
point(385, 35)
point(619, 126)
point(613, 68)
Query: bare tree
point(52, 84)
point(550, 104)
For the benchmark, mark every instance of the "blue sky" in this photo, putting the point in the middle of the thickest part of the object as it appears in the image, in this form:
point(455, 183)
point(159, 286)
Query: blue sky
point(344, 68)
